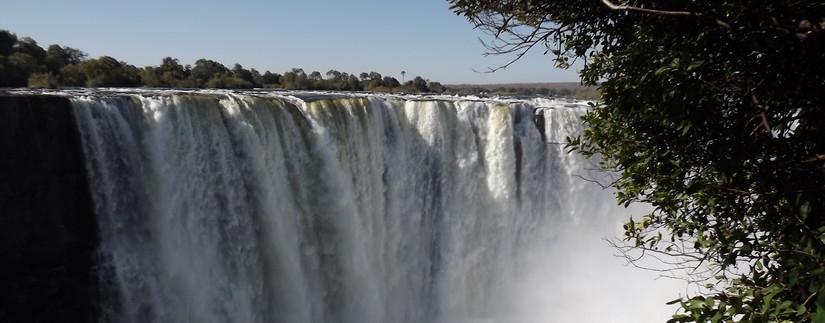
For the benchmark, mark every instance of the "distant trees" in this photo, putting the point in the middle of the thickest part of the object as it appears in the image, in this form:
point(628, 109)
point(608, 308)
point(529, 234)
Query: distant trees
point(22, 60)
point(58, 57)
point(170, 73)
point(529, 90)
point(374, 81)
point(108, 72)
point(19, 66)
point(296, 79)
point(43, 81)
point(436, 87)
point(270, 79)
point(24, 63)
point(419, 84)
point(334, 80)
point(389, 82)
point(18, 59)
point(7, 41)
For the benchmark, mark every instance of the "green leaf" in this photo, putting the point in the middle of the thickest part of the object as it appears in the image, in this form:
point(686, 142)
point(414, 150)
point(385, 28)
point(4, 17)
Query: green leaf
point(685, 129)
point(818, 316)
point(674, 301)
point(804, 210)
point(680, 318)
point(794, 277)
point(766, 303)
point(695, 64)
point(782, 306)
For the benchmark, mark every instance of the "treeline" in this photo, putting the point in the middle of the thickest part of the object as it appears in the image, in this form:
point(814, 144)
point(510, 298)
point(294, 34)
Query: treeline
point(585, 93)
point(23, 63)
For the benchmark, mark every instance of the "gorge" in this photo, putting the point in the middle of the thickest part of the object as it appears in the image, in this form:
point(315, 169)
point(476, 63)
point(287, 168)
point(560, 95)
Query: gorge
point(266, 206)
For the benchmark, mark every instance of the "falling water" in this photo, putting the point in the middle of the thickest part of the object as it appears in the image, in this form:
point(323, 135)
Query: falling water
point(227, 207)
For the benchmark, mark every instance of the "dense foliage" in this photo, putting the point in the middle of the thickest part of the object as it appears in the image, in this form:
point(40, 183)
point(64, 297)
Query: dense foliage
point(714, 113)
point(24, 63)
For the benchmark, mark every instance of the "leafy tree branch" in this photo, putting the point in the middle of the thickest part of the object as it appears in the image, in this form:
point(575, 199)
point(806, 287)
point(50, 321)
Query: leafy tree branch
point(711, 113)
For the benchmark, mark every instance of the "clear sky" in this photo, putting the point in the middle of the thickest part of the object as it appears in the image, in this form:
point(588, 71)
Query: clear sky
point(421, 37)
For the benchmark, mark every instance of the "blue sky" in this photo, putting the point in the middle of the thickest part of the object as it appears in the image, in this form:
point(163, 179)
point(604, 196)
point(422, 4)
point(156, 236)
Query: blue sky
point(422, 37)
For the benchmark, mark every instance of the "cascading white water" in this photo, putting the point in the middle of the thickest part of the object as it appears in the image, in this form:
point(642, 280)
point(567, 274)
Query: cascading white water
point(222, 207)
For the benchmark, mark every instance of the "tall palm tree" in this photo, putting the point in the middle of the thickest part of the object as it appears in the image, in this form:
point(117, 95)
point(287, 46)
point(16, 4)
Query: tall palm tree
point(402, 76)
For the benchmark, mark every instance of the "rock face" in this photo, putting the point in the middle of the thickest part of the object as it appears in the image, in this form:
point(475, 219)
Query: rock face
point(48, 232)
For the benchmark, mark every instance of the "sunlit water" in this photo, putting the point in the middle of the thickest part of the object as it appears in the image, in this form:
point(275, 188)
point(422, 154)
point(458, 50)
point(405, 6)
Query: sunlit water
point(307, 207)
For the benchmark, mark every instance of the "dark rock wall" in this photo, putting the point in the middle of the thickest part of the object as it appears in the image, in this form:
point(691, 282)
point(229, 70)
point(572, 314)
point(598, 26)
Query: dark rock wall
point(48, 233)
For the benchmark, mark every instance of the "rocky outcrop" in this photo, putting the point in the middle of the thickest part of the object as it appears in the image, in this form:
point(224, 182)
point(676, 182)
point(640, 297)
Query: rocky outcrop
point(47, 228)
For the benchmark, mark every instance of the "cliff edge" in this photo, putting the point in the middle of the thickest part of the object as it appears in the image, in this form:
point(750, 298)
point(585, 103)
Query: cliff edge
point(48, 233)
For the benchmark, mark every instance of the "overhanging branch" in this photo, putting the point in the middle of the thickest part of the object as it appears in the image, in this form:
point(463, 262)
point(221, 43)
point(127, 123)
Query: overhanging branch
point(815, 159)
point(667, 13)
point(614, 6)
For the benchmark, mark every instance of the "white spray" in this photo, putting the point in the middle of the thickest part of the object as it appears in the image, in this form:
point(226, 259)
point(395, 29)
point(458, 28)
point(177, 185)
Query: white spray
point(217, 207)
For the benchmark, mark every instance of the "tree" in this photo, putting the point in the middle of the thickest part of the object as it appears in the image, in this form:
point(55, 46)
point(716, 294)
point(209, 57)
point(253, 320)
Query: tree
point(18, 59)
point(57, 57)
point(333, 75)
point(243, 78)
point(150, 76)
point(226, 81)
point(19, 67)
point(270, 79)
point(72, 75)
point(373, 81)
point(29, 46)
point(42, 81)
point(296, 79)
point(172, 73)
point(390, 82)
point(374, 76)
point(712, 113)
point(419, 84)
point(436, 87)
point(7, 42)
point(256, 77)
point(205, 70)
point(353, 84)
point(316, 76)
point(106, 71)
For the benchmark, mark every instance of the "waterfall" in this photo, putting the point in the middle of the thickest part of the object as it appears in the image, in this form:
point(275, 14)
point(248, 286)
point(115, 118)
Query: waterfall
point(289, 207)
